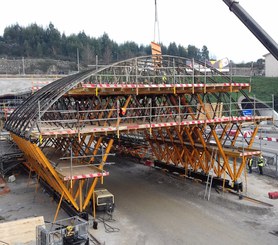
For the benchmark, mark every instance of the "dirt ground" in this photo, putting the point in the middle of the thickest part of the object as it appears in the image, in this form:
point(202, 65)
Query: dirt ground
point(153, 207)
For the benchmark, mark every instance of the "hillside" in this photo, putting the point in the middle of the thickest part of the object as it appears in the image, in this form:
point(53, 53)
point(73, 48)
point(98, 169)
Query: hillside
point(263, 88)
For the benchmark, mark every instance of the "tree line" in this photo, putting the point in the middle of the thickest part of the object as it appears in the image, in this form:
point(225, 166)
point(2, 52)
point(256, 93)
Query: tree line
point(35, 41)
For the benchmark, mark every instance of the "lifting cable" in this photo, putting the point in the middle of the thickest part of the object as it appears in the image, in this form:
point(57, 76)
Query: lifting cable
point(156, 26)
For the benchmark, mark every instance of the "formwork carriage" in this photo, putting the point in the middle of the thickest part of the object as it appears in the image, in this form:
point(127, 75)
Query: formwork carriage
point(172, 110)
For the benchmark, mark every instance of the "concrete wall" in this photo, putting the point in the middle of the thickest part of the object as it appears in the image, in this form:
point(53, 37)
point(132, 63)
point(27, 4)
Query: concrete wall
point(271, 66)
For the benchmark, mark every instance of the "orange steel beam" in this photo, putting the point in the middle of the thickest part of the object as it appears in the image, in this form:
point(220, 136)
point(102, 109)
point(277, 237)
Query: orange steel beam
point(255, 131)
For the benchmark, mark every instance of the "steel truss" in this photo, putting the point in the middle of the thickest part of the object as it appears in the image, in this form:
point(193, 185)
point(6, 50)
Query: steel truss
point(177, 111)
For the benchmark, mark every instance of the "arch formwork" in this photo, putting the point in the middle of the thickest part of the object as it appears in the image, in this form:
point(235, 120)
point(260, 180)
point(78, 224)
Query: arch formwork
point(178, 112)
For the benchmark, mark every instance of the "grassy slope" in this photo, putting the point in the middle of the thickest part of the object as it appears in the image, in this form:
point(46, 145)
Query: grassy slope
point(262, 87)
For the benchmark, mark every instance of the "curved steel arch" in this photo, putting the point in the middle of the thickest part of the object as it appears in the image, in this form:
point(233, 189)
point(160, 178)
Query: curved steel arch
point(135, 70)
point(25, 117)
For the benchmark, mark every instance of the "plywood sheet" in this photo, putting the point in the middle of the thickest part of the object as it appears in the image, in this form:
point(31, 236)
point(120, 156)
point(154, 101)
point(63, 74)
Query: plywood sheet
point(20, 231)
point(79, 171)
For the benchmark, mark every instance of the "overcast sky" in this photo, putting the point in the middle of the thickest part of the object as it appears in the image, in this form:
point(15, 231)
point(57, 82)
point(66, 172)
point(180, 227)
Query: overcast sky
point(194, 22)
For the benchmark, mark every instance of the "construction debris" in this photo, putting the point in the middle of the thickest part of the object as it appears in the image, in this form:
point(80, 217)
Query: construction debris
point(273, 195)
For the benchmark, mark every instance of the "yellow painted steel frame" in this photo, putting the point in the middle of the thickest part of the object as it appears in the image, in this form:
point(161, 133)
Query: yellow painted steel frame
point(190, 149)
point(72, 193)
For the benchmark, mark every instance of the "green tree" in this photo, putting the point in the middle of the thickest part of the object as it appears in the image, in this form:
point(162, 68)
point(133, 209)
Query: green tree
point(193, 52)
point(204, 53)
point(173, 49)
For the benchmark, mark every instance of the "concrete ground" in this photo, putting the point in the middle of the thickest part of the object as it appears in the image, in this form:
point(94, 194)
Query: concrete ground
point(153, 207)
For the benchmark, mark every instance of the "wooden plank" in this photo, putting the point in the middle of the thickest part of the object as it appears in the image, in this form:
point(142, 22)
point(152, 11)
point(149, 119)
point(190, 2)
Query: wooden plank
point(20, 231)
point(79, 171)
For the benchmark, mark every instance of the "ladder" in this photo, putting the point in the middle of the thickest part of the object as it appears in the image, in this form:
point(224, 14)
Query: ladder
point(209, 178)
point(208, 186)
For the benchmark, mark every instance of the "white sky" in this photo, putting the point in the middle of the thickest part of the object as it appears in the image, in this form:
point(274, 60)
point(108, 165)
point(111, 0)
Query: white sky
point(194, 22)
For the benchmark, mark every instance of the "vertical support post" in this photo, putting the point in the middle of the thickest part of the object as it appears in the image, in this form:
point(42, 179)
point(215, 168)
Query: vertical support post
point(71, 166)
point(150, 116)
point(193, 77)
point(250, 80)
point(245, 177)
point(260, 139)
point(136, 75)
point(118, 119)
point(179, 113)
point(94, 205)
point(254, 111)
point(231, 76)
point(80, 194)
point(205, 79)
point(273, 108)
point(230, 106)
point(276, 164)
point(96, 66)
point(102, 160)
point(174, 71)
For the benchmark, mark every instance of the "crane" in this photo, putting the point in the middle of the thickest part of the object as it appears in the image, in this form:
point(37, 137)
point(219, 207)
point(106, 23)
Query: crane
point(253, 26)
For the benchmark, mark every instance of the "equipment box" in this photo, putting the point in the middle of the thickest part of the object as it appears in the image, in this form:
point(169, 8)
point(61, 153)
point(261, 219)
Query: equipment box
point(104, 200)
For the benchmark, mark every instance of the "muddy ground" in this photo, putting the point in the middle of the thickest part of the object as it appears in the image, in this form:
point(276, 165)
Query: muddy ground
point(153, 207)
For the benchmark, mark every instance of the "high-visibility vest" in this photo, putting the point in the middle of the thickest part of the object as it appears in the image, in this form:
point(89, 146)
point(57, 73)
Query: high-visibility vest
point(250, 162)
point(261, 162)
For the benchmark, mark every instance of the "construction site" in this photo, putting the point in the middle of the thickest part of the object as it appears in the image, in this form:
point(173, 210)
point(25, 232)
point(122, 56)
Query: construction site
point(149, 150)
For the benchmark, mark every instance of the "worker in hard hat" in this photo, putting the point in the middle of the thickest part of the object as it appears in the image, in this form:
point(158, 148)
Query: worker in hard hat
point(69, 231)
point(250, 164)
point(261, 163)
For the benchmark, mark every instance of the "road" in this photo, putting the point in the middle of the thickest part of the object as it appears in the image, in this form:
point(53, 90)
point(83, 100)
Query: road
point(154, 208)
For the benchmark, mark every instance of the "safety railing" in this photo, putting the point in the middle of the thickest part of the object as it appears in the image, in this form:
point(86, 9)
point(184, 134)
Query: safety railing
point(172, 70)
point(152, 114)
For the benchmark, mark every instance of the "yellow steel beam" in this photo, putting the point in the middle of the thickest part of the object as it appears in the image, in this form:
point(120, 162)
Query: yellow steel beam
point(92, 137)
point(241, 167)
point(236, 135)
point(220, 149)
point(97, 145)
point(36, 153)
point(255, 131)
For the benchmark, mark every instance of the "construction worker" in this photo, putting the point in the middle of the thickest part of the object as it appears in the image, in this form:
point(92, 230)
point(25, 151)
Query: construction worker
point(69, 231)
point(164, 78)
point(261, 164)
point(122, 112)
point(250, 164)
